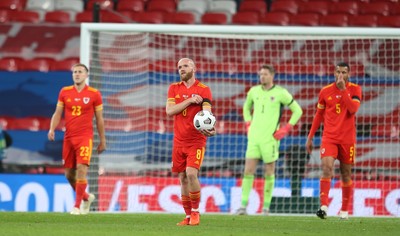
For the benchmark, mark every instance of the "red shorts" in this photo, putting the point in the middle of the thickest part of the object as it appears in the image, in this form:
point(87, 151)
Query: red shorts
point(183, 157)
point(345, 153)
point(77, 151)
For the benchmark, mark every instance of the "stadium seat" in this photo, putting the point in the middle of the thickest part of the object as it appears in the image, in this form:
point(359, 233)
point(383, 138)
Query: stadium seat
point(85, 16)
point(245, 18)
point(36, 64)
point(40, 5)
point(4, 16)
point(378, 8)
point(350, 8)
point(339, 20)
point(197, 7)
point(214, 18)
point(258, 7)
point(104, 4)
point(64, 65)
point(25, 16)
point(57, 17)
point(8, 64)
point(14, 5)
point(226, 6)
point(115, 17)
point(275, 18)
point(395, 9)
point(389, 21)
point(130, 5)
point(166, 6)
point(148, 17)
point(306, 19)
point(319, 7)
point(363, 21)
point(289, 6)
point(180, 18)
point(69, 5)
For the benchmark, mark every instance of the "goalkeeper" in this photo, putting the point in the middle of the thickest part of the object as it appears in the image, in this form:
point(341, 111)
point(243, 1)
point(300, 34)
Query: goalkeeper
point(262, 111)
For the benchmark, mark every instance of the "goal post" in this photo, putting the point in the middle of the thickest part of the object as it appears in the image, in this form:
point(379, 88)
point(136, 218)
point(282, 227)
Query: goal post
point(133, 65)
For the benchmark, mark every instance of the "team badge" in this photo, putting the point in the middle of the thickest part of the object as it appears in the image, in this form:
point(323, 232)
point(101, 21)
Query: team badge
point(322, 150)
point(86, 100)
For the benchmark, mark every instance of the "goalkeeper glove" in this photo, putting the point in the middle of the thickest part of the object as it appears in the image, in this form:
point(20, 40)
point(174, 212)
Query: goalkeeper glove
point(248, 123)
point(282, 132)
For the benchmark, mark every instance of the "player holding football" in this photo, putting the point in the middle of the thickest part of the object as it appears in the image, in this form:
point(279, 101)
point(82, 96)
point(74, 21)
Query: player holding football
point(337, 106)
point(79, 103)
point(185, 99)
point(264, 132)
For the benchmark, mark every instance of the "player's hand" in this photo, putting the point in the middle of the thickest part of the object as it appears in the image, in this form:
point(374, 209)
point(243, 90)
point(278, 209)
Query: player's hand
point(248, 123)
point(101, 148)
point(208, 132)
point(309, 146)
point(282, 132)
point(196, 99)
point(50, 135)
point(340, 82)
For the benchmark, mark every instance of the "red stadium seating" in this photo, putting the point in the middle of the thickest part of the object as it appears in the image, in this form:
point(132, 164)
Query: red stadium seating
point(64, 65)
point(104, 4)
point(180, 18)
point(289, 6)
point(8, 64)
point(4, 16)
point(57, 17)
point(389, 21)
point(350, 8)
point(161, 5)
point(115, 17)
point(86, 16)
point(275, 18)
point(148, 17)
point(25, 16)
point(14, 5)
point(259, 7)
point(306, 19)
point(214, 18)
point(378, 8)
point(319, 7)
point(245, 18)
point(363, 20)
point(339, 20)
point(36, 64)
point(130, 5)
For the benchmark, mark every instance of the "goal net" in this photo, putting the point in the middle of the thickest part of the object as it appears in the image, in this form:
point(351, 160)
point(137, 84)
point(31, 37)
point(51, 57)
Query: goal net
point(133, 65)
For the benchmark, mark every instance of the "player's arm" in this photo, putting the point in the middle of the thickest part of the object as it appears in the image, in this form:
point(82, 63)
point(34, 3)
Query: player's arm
point(247, 107)
point(318, 118)
point(55, 120)
point(206, 105)
point(352, 103)
point(101, 130)
point(172, 108)
point(294, 118)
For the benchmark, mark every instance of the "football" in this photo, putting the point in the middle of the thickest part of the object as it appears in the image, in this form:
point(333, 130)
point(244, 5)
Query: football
point(204, 120)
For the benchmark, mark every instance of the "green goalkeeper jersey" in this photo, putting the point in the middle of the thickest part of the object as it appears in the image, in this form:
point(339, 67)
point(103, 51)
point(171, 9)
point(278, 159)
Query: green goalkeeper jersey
point(263, 108)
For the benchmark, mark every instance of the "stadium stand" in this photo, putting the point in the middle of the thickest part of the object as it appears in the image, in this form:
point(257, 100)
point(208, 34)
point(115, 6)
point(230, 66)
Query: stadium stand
point(166, 6)
point(289, 6)
point(339, 20)
point(214, 18)
point(321, 7)
point(57, 17)
point(275, 18)
point(12, 5)
point(131, 5)
point(245, 18)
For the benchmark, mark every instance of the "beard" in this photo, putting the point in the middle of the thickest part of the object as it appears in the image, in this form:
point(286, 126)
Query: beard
point(186, 77)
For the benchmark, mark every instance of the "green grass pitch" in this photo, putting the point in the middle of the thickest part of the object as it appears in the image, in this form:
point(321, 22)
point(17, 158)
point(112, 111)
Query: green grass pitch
point(58, 224)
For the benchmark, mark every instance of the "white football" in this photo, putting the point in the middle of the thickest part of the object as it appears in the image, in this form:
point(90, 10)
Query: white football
point(204, 120)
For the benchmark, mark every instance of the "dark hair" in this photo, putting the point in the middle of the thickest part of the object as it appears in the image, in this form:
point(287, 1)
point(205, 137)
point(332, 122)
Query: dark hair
point(343, 64)
point(82, 65)
point(268, 67)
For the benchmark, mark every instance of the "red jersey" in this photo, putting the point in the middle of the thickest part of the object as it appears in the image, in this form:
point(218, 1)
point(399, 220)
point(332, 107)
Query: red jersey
point(185, 134)
point(79, 109)
point(339, 123)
